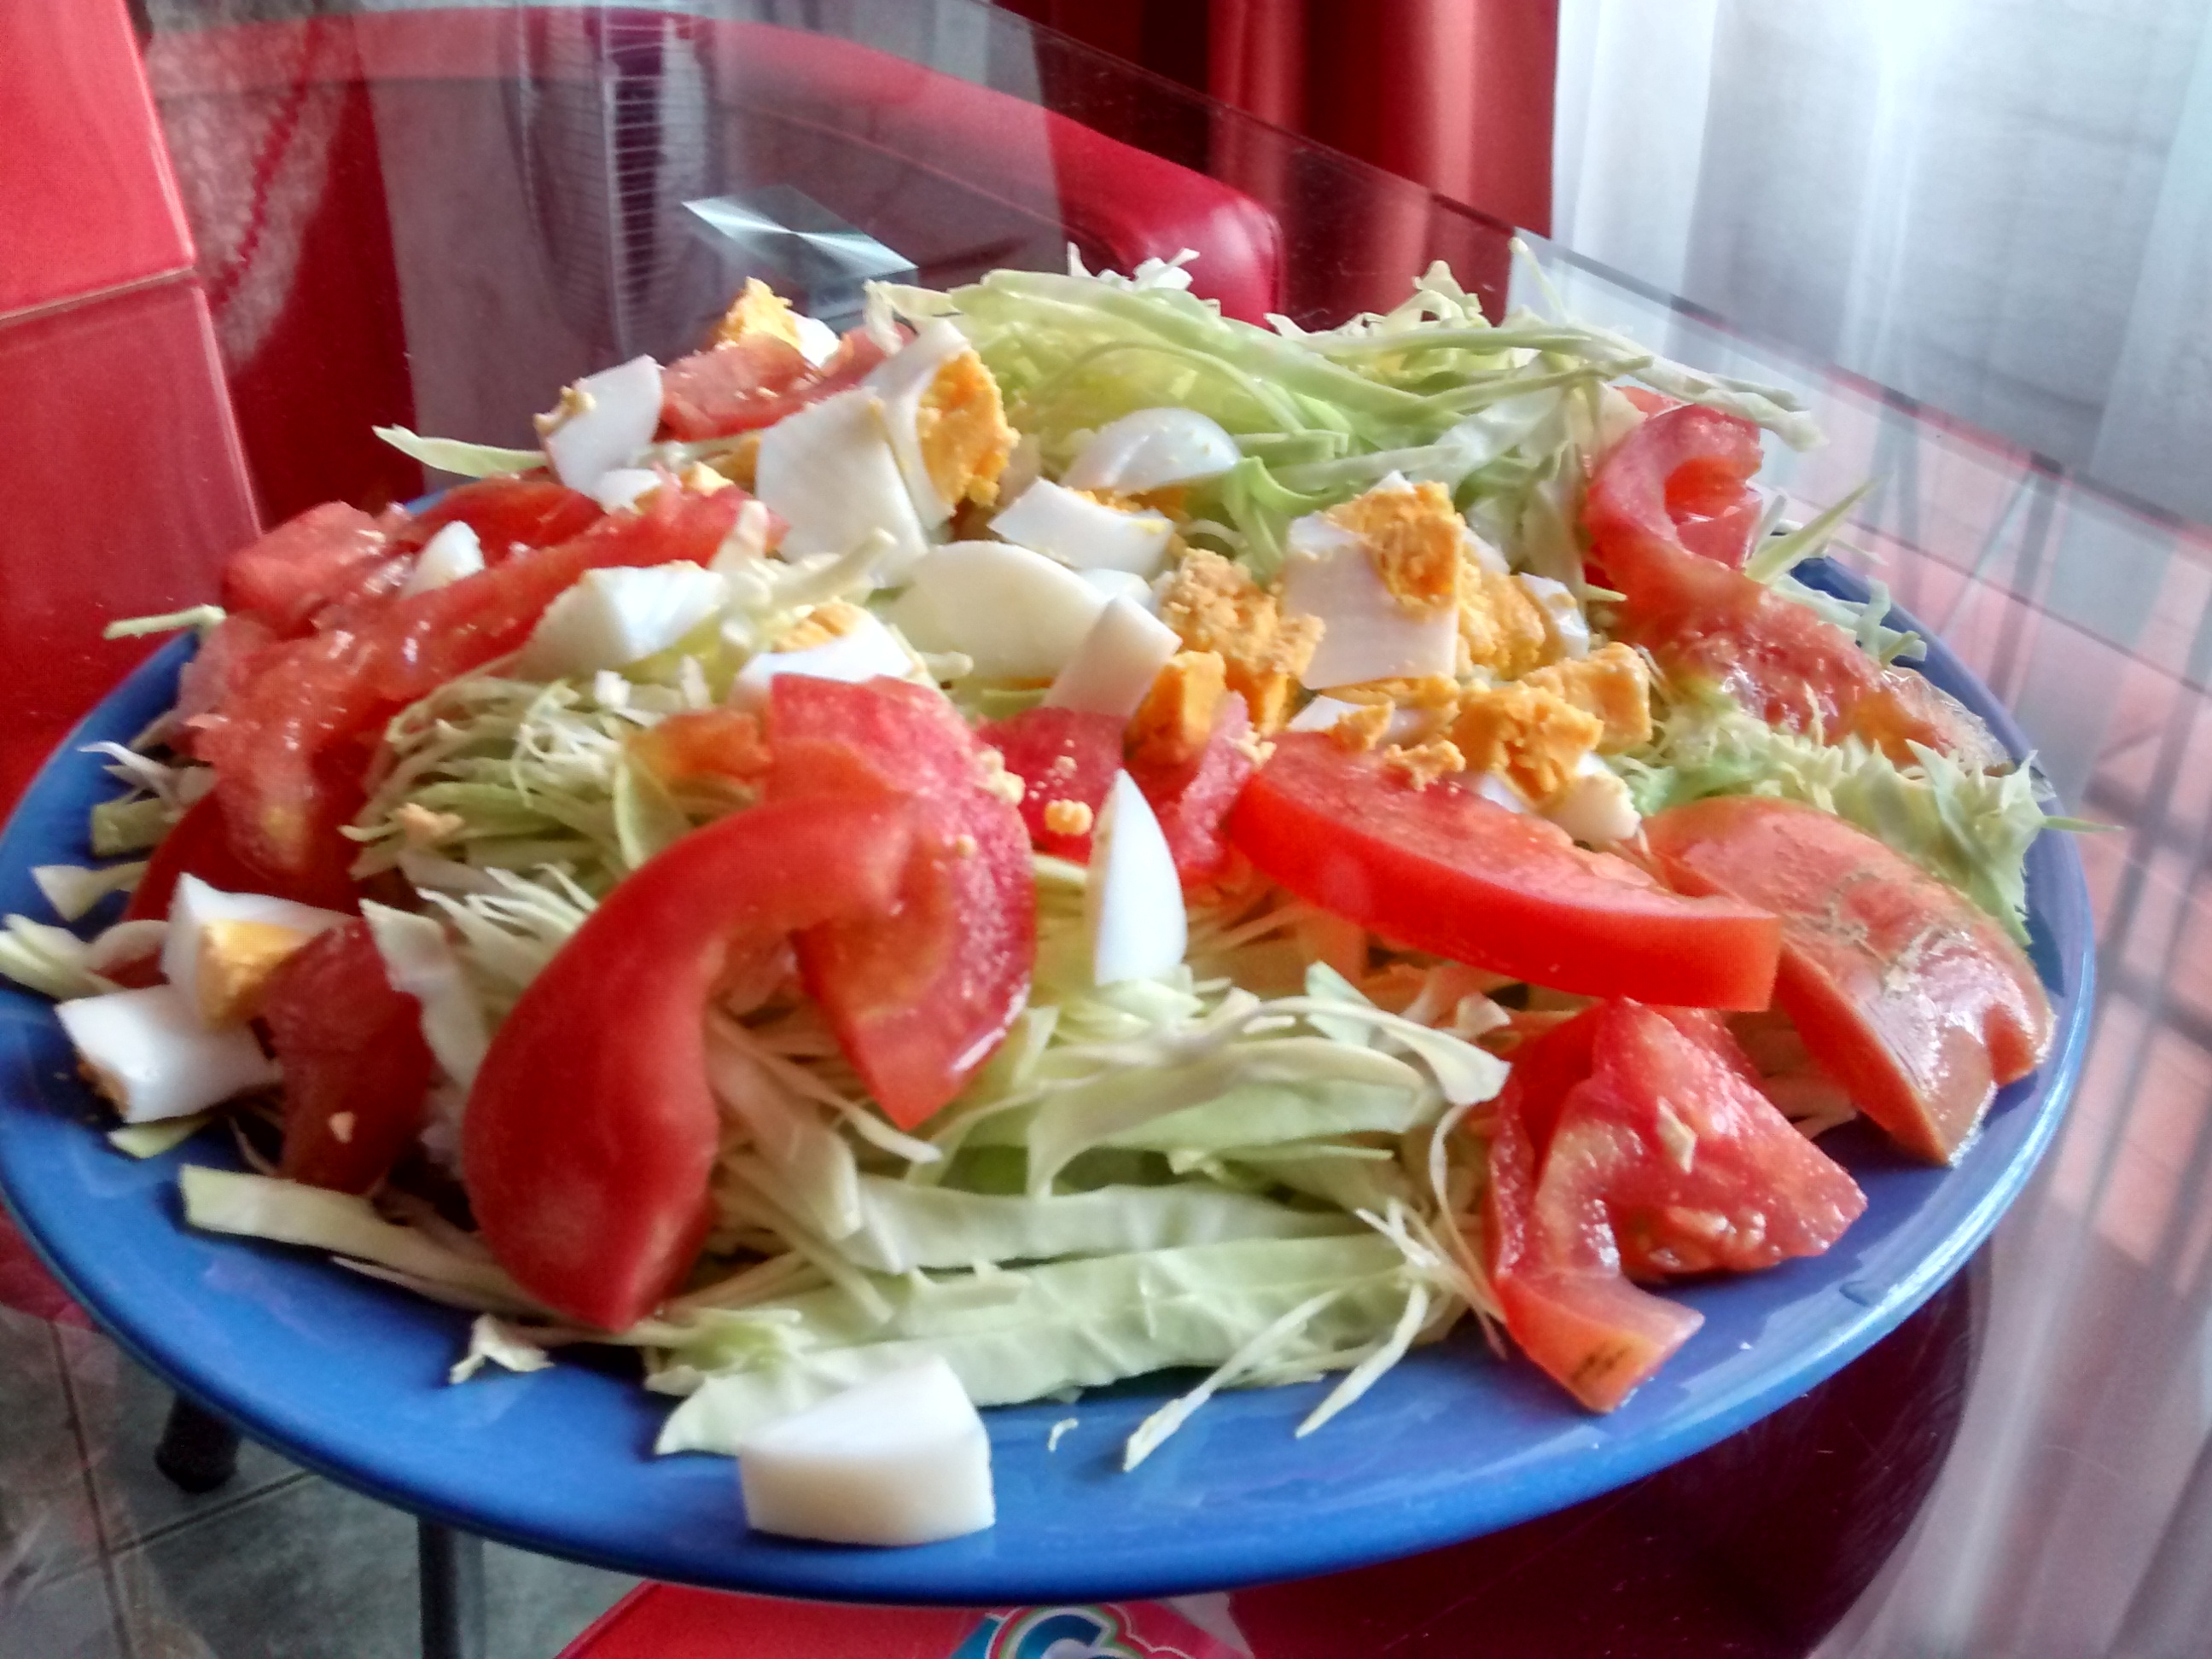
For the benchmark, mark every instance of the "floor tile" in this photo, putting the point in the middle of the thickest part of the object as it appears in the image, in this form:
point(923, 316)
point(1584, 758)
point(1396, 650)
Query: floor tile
point(123, 1408)
point(301, 1570)
point(48, 1532)
point(536, 1606)
point(71, 1616)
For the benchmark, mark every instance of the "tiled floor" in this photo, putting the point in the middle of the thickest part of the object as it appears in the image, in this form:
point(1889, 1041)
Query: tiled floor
point(100, 1558)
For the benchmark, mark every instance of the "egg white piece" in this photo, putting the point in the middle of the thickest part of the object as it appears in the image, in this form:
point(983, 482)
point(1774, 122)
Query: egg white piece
point(195, 904)
point(1117, 662)
point(451, 553)
point(1407, 724)
point(1123, 585)
point(829, 473)
point(1133, 906)
point(1483, 553)
point(1366, 635)
point(1595, 805)
point(150, 1054)
point(869, 651)
point(1016, 614)
point(619, 490)
point(818, 341)
point(899, 381)
point(1500, 791)
point(1084, 533)
point(621, 413)
point(902, 1459)
point(1151, 449)
point(1557, 601)
point(612, 617)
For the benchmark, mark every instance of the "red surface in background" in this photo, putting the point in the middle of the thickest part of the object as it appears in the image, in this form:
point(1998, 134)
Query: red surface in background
point(128, 489)
point(86, 198)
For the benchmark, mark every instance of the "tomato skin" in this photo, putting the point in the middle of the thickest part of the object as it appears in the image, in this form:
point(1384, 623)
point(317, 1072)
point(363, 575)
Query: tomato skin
point(285, 577)
point(1903, 991)
point(222, 663)
point(1442, 869)
point(1059, 753)
point(1193, 801)
point(357, 1070)
point(289, 742)
point(1631, 1143)
point(919, 999)
point(199, 844)
point(591, 1132)
point(753, 382)
point(1681, 478)
point(530, 511)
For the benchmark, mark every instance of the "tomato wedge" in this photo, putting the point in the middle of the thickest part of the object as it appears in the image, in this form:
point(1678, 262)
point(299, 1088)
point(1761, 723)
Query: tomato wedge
point(199, 844)
point(753, 382)
point(591, 1132)
point(918, 1000)
point(1059, 753)
point(285, 577)
point(1192, 801)
point(1669, 514)
point(1442, 869)
point(291, 741)
point(1907, 994)
point(507, 514)
point(1658, 1157)
point(357, 1070)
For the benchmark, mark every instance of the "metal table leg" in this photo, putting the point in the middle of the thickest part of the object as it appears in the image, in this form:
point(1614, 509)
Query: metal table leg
point(198, 1450)
point(453, 1577)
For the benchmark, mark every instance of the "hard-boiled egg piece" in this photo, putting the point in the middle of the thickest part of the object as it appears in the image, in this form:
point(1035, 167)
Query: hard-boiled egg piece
point(942, 413)
point(818, 341)
point(1133, 904)
point(1563, 617)
point(619, 490)
point(220, 948)
point(1123, 585)
point(1367, 632)
point(1087, 534)
point(1595, 805)
point(1407, 724)
point(615, 617)
point(1498, 791)
point(1016, 614)
point(148, 1052)
point(865, 650)
point(902, 1459)
point(829, 473)
point(1117, 662)
point(602, 421)
point(1151, 449)
point(451, 553)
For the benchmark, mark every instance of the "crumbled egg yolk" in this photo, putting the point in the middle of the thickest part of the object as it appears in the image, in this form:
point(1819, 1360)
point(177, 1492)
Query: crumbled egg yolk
point(740, 462)
point(1415, 539)
point(1613, 684)
point(703, 480)
point(823, 624)
point(1177, 715)
point(1502, 629)
point(759, 310)
point(960, 426)
point(1532, 738)
point(1362, 728)
point(424, 827)
point(1068, 817)
point(236, 960)
point(997, 781)
point(1214, 606)
point(1422, 766)
point(574, 401)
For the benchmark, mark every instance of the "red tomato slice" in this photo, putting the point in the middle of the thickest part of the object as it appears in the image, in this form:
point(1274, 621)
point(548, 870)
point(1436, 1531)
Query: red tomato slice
point(290, 743)
point(532, 511)
point(1651, 1153)
point(287, 575)
point(199, 844)
point(1059, 753)
point(1905, 993)
point(1440, 869)
point(1669, 516)
point(754, 382)
point(590, 1133)
point(920, 999)
point(357, 1070)
point(1193, 801)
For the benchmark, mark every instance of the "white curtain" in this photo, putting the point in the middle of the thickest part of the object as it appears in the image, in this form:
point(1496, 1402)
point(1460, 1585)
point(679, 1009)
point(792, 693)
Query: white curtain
point(2001, 207)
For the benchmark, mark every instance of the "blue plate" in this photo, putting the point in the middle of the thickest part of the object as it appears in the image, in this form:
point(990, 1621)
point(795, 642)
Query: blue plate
point(346, 1375)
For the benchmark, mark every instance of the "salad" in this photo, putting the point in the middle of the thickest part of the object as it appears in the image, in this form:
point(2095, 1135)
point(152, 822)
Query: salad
point(1055, 836)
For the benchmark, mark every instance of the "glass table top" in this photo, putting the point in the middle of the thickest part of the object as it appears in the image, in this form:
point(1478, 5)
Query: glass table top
point(434, 217)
